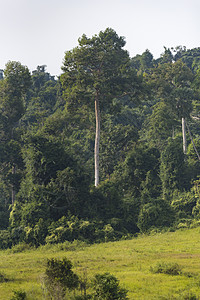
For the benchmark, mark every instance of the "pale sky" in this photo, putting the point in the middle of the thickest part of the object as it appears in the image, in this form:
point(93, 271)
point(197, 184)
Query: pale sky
point(39, 32)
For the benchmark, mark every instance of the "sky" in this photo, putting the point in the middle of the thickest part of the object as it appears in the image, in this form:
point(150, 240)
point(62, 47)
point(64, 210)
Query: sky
point(39, 32)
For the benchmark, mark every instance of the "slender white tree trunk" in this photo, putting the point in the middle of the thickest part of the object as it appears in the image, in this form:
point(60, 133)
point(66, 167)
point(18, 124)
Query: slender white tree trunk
point(97, 140)
point(184, 136)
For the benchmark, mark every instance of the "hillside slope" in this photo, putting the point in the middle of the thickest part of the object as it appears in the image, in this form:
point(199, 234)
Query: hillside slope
point(130, 261)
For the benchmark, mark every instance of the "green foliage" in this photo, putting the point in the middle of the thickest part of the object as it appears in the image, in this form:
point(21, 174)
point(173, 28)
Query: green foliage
point(184, 204)
point(47, 130)
point(61, 271)
point(41, 98)
point(166, 57)
point(189, 56)
point(129, 260)
point(140, 172)
point(53, 185)
point(130, 208)
point(30, 212)
point(171, 83)
point(193, 161)
point(159, 126)
point(107, 287)
point(13, 90)
point(19, 295)
point(4, 212)
point(156, 213)
point(143, 62)
point(44, 158)
point(15, 85)
point(21, 247)
point(116, 142)
point(3, 278)
point(173, 170)
point(60, 277)
point(98, 70)
point(72, 228)
point(189, 296)
point(105, 201)
point(5, 239)
point(166, 268)
point(65, 246)
point(107, 68)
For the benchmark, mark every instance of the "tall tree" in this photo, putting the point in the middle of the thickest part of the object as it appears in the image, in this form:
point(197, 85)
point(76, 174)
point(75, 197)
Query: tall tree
point(171, 83)
point(13, 90)
point(97, 71)
point(41, 97)
point(16, 82)
point(143, 62)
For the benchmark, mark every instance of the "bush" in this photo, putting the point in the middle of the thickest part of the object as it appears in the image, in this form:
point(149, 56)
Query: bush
point(107, 287)
point(66, 246)
point(71, 228)
point(184, 204)
point(19, 295)
point(166, 268)
point(21, 247)
point(17, 235)
point(3, 278)
point(156, 213)
point(5, 239)
point(60, 277)
point(189, 296)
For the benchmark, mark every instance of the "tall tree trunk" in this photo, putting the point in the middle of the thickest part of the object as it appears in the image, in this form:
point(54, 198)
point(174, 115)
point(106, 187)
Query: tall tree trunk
point(97, 140)
point(184, 136)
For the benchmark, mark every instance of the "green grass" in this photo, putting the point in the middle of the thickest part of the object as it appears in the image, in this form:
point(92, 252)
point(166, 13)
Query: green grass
point(130, 261)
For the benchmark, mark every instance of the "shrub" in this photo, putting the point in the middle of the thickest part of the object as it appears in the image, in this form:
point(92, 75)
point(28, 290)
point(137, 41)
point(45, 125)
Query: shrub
point(19, 295)
point(166, 268)
point(156, 213)
point(70, 228)
point(17, 235)
point(107, 287)
point(60, 277)
point(3, 278)
point(109, 233)
point(5, 239)
point(21, 247)
point(189, 296)
point(184, 204)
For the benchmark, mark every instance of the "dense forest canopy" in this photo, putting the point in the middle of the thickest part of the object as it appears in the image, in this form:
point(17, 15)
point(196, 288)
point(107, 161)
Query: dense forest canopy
point(107, 150)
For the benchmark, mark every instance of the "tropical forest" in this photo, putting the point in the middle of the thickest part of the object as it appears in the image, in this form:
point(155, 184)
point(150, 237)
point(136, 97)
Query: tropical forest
point(107, 151)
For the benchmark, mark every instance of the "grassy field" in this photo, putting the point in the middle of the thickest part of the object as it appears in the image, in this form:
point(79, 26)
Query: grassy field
point(130, 261)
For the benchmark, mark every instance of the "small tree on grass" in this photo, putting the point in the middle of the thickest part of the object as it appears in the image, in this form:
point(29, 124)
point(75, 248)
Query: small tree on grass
point(19, 295)
point(59, 278)
point(166, 268)
point(107, 288)
point(3, 278)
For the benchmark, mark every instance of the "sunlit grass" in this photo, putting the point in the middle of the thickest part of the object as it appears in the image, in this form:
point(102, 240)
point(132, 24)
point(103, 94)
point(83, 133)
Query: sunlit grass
point(130, 261)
